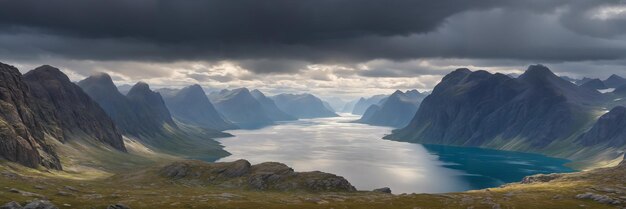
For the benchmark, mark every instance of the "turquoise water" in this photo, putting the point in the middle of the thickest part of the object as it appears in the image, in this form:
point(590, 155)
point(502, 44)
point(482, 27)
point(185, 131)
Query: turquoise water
point(357, 152)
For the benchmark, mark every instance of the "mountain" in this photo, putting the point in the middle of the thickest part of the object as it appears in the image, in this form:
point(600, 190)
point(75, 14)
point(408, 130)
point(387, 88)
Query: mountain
point(335, 103)
point(303, 106)
point(595, 84)
point(191, 105)
point(614, 81)
point(141, 113)
point(73, 110)
point(537, 112)
point(240, 107)
point(608, 130)
point(43, 108)
point(396, 110)
point(269, 107)
point(363, 103)
point(144, 99)
point(582, 81)
point(349, 106)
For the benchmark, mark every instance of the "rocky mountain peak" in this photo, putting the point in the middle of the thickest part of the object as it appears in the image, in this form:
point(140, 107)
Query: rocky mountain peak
point(538, 73)
point(47, 72)
point(140, 88)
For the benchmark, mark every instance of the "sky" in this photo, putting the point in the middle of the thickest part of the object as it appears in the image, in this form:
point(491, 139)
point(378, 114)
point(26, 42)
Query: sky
point(332, 48)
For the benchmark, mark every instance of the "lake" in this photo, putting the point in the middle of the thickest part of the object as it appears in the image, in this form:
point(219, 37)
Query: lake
point(358, 153)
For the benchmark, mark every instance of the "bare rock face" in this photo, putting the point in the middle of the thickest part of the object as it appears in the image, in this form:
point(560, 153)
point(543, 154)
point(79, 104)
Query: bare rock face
point(45, 105)
point(265, 176)
point(69, 108)
point(541, 178)
point(22, 123)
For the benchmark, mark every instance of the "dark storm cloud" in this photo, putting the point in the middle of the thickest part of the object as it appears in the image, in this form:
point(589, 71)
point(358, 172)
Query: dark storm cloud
point(284, 21)
point(606, 18)
point(283, 36)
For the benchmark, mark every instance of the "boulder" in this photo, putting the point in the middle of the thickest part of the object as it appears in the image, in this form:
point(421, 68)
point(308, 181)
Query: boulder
point(236, 169)
point(383, 190)
point(40, 204)
point(118, 206)
point(541, 178)
point(11, 205)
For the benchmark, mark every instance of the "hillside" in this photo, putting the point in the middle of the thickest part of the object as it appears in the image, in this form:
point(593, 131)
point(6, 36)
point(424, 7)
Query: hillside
point(537, 112)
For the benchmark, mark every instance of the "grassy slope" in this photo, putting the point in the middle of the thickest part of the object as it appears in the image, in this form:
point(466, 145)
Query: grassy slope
point(136, 183)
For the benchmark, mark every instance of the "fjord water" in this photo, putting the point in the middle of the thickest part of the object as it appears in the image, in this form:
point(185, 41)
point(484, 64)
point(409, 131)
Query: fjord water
point(358, 153)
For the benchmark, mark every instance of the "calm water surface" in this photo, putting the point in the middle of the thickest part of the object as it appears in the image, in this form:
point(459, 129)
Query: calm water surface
point(357, 152)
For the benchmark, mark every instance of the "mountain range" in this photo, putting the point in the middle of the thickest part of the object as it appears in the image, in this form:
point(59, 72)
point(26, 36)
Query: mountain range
point(363, 103)
point(536, 112)
point(269, 107)
point(192, 106)
point(141, 112)
point(303, 105)
point(397, 110)
point(43, 108)
point(241, 108)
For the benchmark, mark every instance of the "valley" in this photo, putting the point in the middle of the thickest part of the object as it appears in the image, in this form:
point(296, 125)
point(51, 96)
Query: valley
point(86, 144)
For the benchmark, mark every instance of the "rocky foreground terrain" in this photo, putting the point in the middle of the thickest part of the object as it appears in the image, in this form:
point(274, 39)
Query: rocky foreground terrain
point(195, 184)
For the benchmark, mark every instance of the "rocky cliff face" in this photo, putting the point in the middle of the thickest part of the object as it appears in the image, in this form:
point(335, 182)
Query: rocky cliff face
point(608, 130)
point(142, 113)
point(396, 110)
point(22, 123)
point(240, 107)
point(191, 105)
point(70, 109)
point(269, 106)
point(44, 105)
point(303, 106)
point(494, 110)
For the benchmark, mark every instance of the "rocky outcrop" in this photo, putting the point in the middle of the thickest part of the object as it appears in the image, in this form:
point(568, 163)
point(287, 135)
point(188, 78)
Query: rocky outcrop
point(383, 190)
point(70, 109)
point(608, 130)
point(483, 109)
point(191, 105)
point(396, 110)
point(303, 106)
point(264, 176)
point(269, 106)
point(118, 206)
point(35, 204)
point(541, 178)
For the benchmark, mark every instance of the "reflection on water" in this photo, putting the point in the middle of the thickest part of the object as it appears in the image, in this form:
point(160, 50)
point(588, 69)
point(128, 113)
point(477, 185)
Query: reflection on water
point(357, 152)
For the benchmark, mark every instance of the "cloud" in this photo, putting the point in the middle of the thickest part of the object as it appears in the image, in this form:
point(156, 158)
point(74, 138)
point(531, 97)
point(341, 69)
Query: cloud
point(329, 47)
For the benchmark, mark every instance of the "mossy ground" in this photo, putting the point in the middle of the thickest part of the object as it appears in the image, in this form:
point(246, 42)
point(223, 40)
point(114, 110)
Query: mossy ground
point(146, 189)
